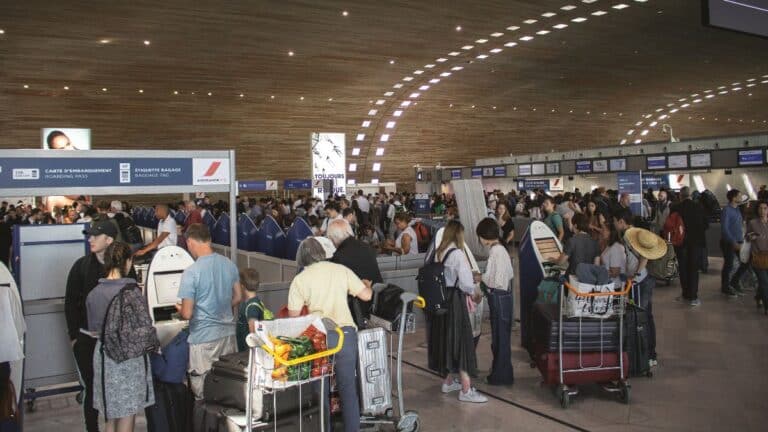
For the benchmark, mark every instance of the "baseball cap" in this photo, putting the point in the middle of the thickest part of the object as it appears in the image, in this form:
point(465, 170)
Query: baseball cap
point(101, 227)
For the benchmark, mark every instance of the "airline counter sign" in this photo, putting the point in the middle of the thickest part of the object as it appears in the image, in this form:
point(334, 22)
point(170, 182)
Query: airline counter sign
point(207, 172)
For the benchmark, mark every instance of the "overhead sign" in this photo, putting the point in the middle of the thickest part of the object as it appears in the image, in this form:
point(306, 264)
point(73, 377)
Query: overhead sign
point(297, 184)
point(456, 174)
point(76, 172)
point(678, 161)
point(500, 171)
point(600, 165)
point(553, 168)
point(523, 170)
point(656, 162)
point(556, 184)
point(329, 161)
point(251, 185)
point(750, 157)
point(271, 185)
point(583, 167)
point(477, 172)
point(618, 164)
point(488, 172)
point(655, 182)
point(531, 184)
point(630, 182)
point(538, 169)
point(701, 160)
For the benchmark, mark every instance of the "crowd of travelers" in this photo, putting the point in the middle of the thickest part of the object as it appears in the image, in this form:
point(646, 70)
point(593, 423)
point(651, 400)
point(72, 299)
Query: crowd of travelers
point(338, 268)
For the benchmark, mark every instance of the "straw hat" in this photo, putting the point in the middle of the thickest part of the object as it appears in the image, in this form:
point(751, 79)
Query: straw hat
point(645, 243)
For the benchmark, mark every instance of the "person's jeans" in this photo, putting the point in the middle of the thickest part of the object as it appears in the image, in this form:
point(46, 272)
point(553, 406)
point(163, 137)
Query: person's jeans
point(501, 304)
point(729, 256)
point(645, 301)
point(689, 260)
point(762, 285)
point(346, 380)
point(83, 351)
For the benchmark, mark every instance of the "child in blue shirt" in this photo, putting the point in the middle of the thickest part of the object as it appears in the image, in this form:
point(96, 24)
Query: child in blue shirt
point(251, 309)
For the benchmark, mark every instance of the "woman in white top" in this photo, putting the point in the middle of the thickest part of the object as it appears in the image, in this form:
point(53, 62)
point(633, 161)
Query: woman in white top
point(496, 282)
point(406, 243)
point(450, 335)
point(614, 257)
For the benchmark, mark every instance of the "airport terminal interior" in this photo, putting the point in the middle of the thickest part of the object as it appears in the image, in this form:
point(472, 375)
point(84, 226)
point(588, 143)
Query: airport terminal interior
point(227, 216)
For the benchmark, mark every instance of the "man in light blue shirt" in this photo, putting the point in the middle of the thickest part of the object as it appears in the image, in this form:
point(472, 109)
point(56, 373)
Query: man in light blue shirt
point(210, 289)
point(731, 239)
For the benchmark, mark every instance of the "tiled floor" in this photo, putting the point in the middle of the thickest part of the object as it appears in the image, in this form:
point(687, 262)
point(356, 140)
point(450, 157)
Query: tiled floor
point(711, 377)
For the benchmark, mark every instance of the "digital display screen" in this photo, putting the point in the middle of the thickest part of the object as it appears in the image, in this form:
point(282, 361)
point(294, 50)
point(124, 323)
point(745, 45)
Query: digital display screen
point(456, 174)
point(66, 139)
point(677, 161)
point(656, 162)
point(537, 169)
point(583, 167)
point(618, 164)
point(167, 287)
point(747, 16)
point(600, 165)
point(488, 172)
point(477, 172)
point(701, 160)
point(553, 168)
point(500, 171)
point(750, 157)
point(524, 170)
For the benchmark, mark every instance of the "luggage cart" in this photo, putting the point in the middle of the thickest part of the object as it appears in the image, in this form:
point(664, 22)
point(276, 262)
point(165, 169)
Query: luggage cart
point(270, 388)
point(605, 366)
point(404, 421)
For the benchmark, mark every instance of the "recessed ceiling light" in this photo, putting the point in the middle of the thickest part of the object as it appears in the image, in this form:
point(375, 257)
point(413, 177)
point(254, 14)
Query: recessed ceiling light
point(568, 7)
point(620, 6)
point(405, 104)
point(473, 107)
point(418, 72)
point(482, 56)
point(641, 1)
point(542, 32)
point(560, 26)
point(373, 112)
point(26, 86)
point(141, 90)
point(481, 41)
point(630, 132)
point(272, 97)
point(391, 62)
point(548, 14)
point(352, 167)
point(2, 32)
point(380, 102)
point(360, 137)
point(638, 141)
point(211, 94)
point(494, 107)
point(414, 95)
point(624, 141)
point(301, 98)
point(496, 50)
point(513, 28)
point(710, 96)
point(66, 87)
point(424, 88)
point(751, 85)
point(497, 34)
point(457, 68)
point(147, 43)
point(531, 21)
point(175, 92)
point(453, 53)
point(389, 93)
point(653, 123)
point(445, 74)
point(366, 123)
point(408, 78)
point(510, 44)
point(450, 106)
point(375, 181)
point(104, 41)
point(380, 151)
point(441, 60)
point(579, 19)
point(398, 85)
point(588, 1)
point(390, 124)
point(467, 47)
point(344, 13)
point(599, 13)
point(686, 105)
point(397, 113)
point(434, 80)
point(429, 66)
point(104, 89)
point(290, 53)
point(356, 151)
point(458, 28)
point(384, 137)
point(526, 38)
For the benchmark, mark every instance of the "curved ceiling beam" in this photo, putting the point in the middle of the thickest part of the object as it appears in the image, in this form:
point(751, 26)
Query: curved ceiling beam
point(649, 122)
point(379, 126)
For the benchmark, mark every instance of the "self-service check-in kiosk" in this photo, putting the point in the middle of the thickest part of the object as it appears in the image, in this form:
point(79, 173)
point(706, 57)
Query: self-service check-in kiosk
point(538, 245)
point(162, 290)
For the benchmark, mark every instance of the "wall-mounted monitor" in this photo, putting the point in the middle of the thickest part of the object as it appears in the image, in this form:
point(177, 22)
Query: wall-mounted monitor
point(583, 167)
point(618, 164)
point(488, 172)
point(600, 166)
point(677, 161)
point(477, 172)
point(701, 160)
point(537, 169)
point(745, 16)
point(751, 157)
point(524, 170)
point(553, 168)
point(456, 174)
point(656, 162)
point(66, 139)
point(500, 171)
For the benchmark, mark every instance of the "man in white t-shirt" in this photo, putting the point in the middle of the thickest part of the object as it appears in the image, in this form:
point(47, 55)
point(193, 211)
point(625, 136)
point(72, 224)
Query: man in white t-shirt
point(166, 231)
point(365, 207)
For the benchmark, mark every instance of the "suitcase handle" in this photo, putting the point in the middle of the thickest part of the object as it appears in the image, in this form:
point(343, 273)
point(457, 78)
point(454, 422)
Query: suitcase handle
point(420, 302)
point(307, 358)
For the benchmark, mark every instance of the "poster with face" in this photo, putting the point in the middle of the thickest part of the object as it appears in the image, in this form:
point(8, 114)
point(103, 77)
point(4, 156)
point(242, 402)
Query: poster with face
point(66, 139)
point(329, 161)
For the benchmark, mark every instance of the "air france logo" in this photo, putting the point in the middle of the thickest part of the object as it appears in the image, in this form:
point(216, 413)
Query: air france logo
point(210, 171)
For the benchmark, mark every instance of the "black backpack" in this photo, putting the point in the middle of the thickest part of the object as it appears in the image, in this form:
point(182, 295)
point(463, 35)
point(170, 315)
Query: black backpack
point(432, 285)
point(128, 229)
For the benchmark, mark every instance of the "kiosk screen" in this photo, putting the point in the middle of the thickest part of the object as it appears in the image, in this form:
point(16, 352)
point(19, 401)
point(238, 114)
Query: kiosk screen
point(548, 248)
point(167, 286)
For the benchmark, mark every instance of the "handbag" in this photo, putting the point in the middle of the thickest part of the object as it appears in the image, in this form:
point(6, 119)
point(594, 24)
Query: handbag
point(745, 252)
point(760, 260)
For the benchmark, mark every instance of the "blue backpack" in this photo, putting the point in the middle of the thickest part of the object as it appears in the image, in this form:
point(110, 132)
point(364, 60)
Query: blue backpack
point(171, 365)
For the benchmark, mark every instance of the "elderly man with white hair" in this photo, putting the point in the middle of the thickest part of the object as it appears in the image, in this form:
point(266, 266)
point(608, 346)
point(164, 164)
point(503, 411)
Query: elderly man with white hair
point(323, 287)
point(358, 257)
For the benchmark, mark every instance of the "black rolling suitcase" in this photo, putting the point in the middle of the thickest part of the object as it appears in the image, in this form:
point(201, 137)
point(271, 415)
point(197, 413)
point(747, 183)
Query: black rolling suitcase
point(226, 385)
point(172, 411)
point(636, 341)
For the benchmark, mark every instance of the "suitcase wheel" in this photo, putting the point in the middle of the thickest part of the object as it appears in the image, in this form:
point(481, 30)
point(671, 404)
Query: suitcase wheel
point(564, 395)
point(625, 390)
point(409, 422)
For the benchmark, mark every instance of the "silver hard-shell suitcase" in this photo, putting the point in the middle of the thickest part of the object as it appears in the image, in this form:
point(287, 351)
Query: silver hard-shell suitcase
point(374, 374)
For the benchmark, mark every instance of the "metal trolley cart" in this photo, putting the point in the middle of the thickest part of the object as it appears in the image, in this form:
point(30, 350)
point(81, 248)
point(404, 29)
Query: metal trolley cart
point(261, 363)
point(405, 323)
point(588, 346)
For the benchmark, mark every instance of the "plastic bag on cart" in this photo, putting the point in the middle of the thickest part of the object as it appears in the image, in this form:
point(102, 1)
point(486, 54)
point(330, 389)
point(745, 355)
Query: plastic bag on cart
point(591, 279)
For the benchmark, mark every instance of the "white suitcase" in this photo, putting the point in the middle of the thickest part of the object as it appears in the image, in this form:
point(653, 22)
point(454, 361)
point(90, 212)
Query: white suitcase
point(375, 378)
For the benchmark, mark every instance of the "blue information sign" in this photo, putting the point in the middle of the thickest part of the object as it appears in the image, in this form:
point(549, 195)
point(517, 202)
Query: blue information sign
point(252, 185)
point(52, 172)
point(531, 184)
point(656, 162)
point(655, 182)
point(583, 167)
point(630, 182)
point(477, 172)
point(750, 157)
point(456, 174)
point(500, 171)
point(297, 184)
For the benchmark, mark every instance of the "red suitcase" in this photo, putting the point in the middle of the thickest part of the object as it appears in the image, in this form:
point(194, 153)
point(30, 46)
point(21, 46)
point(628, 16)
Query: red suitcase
point(548, 364)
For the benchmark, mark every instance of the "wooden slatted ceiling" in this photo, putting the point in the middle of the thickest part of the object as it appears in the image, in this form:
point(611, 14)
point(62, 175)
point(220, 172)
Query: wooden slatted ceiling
point(631, 62)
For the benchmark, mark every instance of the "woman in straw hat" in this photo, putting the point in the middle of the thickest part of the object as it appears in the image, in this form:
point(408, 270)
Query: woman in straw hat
point(643, 245)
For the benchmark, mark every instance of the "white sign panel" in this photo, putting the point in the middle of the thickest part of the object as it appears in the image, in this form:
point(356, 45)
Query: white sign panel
point(207, 172)
point(556, 184)
point(678, 181)
point(66, 139)
point(677, 161)
point(600, 165)
point(701, 160)
point(271, 185)
point(329, 160)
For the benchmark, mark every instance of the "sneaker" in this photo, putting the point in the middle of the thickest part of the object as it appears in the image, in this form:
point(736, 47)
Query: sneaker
point(652, 362)
point(472, 396)
point(452, 387)
point(695, 303)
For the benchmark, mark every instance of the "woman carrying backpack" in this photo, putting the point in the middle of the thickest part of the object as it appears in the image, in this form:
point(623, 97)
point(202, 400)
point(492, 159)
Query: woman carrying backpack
point(121, 388)
point(451, 344)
